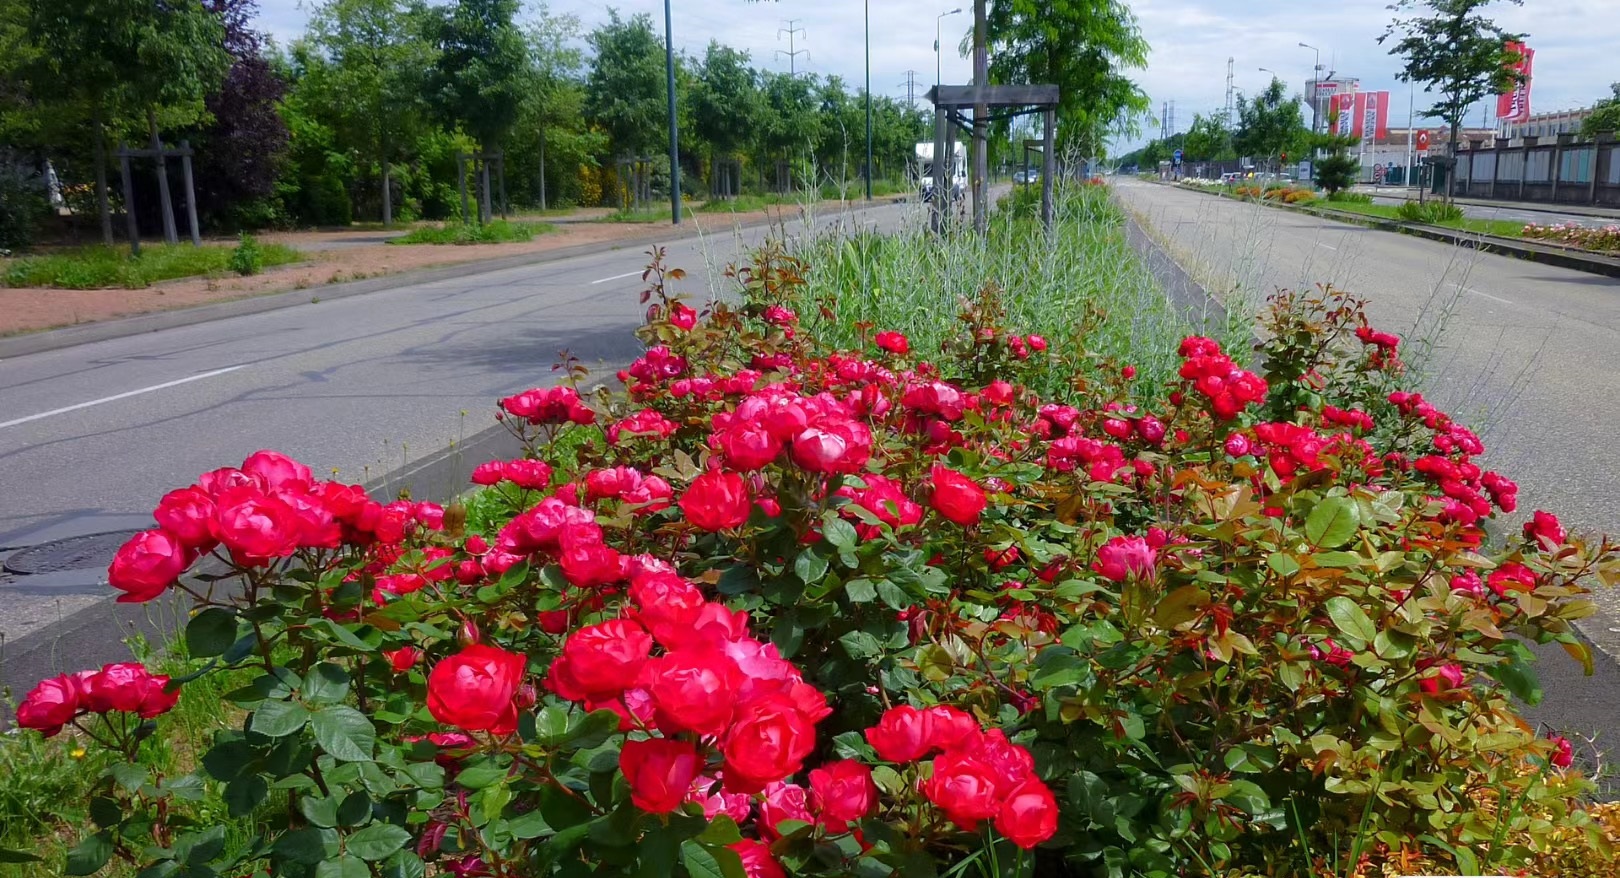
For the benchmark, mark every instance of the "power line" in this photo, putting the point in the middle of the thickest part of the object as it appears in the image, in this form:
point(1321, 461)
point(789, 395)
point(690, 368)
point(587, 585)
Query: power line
point(911, 87)
point(793, 54)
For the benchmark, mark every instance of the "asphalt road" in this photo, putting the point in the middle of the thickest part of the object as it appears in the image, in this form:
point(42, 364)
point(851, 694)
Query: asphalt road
point(91, 436)
point(1529, 354)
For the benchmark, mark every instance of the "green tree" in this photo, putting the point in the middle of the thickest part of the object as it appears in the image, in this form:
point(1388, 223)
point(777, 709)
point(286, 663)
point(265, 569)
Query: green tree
point(366, 64)
point(1086, 48)
point(790, 127)
point(1453, 51)
point(625, 89)
point(1209, 139)
point(1271, 125)
point(726, 100)
point(1605, 114)
point(551, 121)
point(482, 68)
point(1336, 170)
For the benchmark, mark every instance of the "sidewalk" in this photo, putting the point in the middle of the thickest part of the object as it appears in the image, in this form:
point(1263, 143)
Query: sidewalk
point(1410, 194)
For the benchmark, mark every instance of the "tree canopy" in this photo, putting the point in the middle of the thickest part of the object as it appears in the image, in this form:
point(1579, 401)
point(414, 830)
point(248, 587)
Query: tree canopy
point(1454, 51)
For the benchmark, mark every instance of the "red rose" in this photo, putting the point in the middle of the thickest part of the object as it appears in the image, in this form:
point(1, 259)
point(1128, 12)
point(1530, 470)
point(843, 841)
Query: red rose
point(694, 691)
point(783, 801)
point(666, 604)
point(1028, 815)
point(1121, 558)
point(148, 564)
point(186, 514)
point(1544, 530)
point(660, 772)
point(767, 742)
point(756, 855)
point(844, 791)
point(682, 316)
point(256, 526)
point(275, 470)
point(748, 447)
point(531, 474)
point(603, 660)
point(402, 659)
point(1037, 343)
point(591, 565)
point(957, 497)
point(717, 501)
point(901, 735)
point(833, 447)
point(964, 788)
point(949, 728)
point(1563, 754)
point(490, 472)
point(473, 689)
point(893, 342)
point(50, 705)
point(119, 687)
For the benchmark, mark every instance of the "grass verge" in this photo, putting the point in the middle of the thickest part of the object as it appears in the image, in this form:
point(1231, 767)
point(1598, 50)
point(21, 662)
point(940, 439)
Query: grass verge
point(1499, 228)
point(497, 232)
point(101, 267)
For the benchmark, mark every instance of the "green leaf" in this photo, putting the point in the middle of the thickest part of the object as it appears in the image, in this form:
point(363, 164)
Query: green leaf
point(481, 774)
point(129, 775)
point(326, 683)
point(211, 632)
point(860, 591)
point(404, 864)
point(592, 729)
point(306, 846)
point(196, 848)
point(839, 533)
point(345, 733)
point(319, 810)
point(721, 831)
point(705, 862)
point(227, 759)
point(278, 719)
point(893, 595)
point(7, 855)
point(343, 867)
point(1520, 679)
point(377, 841)
point(355, 809)
point(90, 854)
point(1351, 619)
point(1282, 563)
point(810, 567)
point(1332, 522)
point(244, 794)
point(104, 812)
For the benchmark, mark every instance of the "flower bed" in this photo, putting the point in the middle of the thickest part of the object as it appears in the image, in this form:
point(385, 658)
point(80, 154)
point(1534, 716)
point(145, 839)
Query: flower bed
point(777, 608)
point(1604, 240)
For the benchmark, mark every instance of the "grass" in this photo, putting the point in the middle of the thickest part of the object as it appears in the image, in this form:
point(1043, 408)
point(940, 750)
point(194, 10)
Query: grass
point(101, 267)
point(497, 232)
point(1500, 228)
point(645, 215)
point(1082, 286)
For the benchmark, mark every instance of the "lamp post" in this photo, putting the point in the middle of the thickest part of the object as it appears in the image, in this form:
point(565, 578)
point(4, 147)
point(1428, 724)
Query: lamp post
point(1316, 92)
point(674, 133)
point(937, 54)
point(867, 12)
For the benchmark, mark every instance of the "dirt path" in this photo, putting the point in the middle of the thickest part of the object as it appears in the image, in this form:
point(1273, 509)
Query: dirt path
point(333, 257)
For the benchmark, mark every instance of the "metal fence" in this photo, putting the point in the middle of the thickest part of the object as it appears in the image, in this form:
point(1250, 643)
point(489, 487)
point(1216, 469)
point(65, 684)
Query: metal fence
point(1563, 171)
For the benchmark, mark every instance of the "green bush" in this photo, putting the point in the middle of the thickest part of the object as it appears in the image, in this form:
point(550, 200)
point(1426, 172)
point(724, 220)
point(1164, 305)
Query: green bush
point(496, 232)
point(1345, 196)
point(1431, 212)
point(96, 268)
point(248, 257)
point(23, 205)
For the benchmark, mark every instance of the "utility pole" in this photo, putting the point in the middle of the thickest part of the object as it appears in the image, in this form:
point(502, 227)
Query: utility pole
point(867, 13)
point(674, 133)
point(793, 54)
point(1226, 116)
point(911, 88)
point(1164, 119)
point(1172, 120)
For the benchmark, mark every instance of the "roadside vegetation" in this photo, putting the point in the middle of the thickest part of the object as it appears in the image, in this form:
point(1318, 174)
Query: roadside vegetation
point(99, 267)
point(493, 232)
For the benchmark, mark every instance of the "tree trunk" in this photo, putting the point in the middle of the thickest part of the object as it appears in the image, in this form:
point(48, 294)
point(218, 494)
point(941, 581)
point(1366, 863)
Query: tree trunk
point(103, 203)
point(542, 167)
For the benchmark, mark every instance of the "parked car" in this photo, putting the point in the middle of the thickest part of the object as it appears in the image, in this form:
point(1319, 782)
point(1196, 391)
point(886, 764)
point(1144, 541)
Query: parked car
point(1030, 176)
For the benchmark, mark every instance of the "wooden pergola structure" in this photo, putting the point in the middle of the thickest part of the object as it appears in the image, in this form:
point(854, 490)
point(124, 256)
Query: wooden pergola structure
point(990, 103)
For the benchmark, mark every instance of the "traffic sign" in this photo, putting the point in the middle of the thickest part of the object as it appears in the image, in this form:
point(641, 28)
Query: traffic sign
point(1177, 156)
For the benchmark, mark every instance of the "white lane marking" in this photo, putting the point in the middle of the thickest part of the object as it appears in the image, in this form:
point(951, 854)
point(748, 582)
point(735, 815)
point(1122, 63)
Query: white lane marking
point(617, 277)
point(1329, 246)
point(1485, 295)
point(127, 394)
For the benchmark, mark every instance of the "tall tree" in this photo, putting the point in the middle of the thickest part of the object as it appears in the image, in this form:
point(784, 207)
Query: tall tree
point(727, 99)
point(482, 67)
point(245, 137)
point(1453, 51)
point(1271, 125)
point(1086, 48)
point(551, 118)
point(1209, 139)
point(624, 92)
point(1605, 114)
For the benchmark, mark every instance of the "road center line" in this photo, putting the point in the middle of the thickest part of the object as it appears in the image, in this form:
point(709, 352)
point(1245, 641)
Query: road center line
point(125, 395)
point(617, 277)
point(1485, 295)
point(1329, 246)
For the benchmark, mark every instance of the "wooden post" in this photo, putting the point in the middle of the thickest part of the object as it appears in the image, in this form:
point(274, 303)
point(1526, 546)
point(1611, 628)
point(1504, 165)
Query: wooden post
point(461, 182)
point(1048, 164)
point(500, 173)
point(130, 223)
point(542, 168)
point(191, 192)
point(485, 214)
point(388, 194)
point(103, 203)
point(941, 125)
point(981, 122)
point(170, 234)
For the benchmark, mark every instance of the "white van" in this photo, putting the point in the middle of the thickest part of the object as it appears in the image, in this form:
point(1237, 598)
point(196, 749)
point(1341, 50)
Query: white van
point(955, 173)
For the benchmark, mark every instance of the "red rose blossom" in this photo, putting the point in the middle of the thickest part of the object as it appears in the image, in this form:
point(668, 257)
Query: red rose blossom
point(958, 498)
point(660, 771)
point(1028, 814)
point(717, 501)
point(148, 564)
point(473, 689)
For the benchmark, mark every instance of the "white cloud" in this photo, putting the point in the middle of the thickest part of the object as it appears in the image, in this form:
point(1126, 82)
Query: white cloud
point(1191, 41)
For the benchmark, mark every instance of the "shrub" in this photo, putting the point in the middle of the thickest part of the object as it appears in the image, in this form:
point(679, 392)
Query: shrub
point(92, 268)
point(1336, 171)
point(494, 232)
point(827, 611)
point(1345, 196)
point(1431, 212)
point(23, 204)
point(247, 259)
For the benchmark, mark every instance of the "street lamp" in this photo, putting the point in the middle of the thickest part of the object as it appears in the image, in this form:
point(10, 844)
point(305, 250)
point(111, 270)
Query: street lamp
point(867, 12)
point(1316, 91)
point(674, 133)
point(937, 55)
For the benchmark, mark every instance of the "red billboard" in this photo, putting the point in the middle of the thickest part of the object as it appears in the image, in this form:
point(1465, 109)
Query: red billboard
point(1363, 115)
point(1513, 105)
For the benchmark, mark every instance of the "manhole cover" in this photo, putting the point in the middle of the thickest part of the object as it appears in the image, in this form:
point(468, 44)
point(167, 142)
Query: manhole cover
point(73, 553)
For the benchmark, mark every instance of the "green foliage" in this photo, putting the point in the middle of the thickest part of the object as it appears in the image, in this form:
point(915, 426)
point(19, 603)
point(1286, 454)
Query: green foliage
point(248, 257)
point(1345, 196)
point(1453, 51)
point(96, 268)
point(624, 92)
point(1432, 212)
point(1336, 172)
point(23, 203)
point(727, 98)
point(1605, 116)
point(1209, 139)
point(1270, 124)
point(495, 232)
point(482, 68)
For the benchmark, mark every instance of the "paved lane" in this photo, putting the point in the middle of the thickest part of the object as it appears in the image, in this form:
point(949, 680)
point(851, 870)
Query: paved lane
point(91, 436)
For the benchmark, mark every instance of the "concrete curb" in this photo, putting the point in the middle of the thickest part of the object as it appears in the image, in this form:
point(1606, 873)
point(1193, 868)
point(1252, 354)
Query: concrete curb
point(1546, 255)
point(70, 336)
point(1200, 308)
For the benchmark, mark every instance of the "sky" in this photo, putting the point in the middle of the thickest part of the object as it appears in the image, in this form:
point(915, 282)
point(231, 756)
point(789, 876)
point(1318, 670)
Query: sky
point(1191, 40)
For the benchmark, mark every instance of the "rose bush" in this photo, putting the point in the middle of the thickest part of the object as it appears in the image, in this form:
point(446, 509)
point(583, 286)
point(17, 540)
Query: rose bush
point(775, 609)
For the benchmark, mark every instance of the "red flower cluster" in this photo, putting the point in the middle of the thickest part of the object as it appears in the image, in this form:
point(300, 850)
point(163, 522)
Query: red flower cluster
point(1213, 374)
point(529, 474)
point(978, 775)
point(893, 342)
point(269, 508)
point(822, 433)
point(645, 423)
point(126, 687)
point(711, 682)
point(549, 405)
point(475, 689)
point(885, 500)
point(1124, 557)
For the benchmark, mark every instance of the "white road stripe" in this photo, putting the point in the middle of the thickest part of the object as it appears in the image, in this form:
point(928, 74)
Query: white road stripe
point(1485, 295)
point(115, 397)
point(617, 277)
point(1329, 246)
